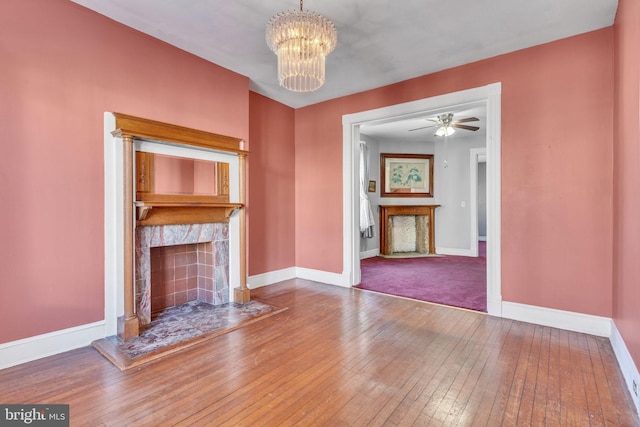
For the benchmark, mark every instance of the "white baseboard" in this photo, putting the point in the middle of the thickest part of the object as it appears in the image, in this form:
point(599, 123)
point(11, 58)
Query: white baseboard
point(32, 348)
point(271, 277)
point(322, 276)
point(627, 366)
point(454, 251)
point(494, 307)
point(277, 276)
point(370, 253)
point(568, 320)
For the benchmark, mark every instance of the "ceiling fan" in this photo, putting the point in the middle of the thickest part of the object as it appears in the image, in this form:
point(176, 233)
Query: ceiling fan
point(446, 124)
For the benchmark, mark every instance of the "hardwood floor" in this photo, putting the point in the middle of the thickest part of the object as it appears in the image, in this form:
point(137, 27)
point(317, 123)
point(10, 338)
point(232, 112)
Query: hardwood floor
point(346, 357)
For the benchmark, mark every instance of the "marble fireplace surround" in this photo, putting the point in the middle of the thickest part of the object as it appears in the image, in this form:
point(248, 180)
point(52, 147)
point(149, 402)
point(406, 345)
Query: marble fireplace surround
point(123, 136)
point(148, 237)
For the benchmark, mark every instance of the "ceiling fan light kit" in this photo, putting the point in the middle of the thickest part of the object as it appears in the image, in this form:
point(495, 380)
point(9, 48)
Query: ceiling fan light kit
point(301, 40)
point(446, 124)
point(445, 131)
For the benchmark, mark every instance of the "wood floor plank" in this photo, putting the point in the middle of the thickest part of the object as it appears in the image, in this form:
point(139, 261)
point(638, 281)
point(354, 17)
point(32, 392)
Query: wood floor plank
point(434, 385)
point(541, 388)
point(483, 389)
point(606, 406)
point(552, 409)
point(346, 357)
point(413, 371)
point(610, 380)
point(527, 400)
point(512, 410)
point(443, 401)
point(508, 362)
point(570, 411)
point(588, 380)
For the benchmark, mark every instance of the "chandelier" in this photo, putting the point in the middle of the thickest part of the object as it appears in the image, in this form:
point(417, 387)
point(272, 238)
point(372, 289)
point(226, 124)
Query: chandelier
point(301, 40)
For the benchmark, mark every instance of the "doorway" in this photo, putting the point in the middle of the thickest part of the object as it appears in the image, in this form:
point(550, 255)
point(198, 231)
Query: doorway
point(454, 274)
point(489, 96)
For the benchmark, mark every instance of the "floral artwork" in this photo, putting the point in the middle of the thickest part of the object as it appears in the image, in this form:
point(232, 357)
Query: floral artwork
point(407, 175)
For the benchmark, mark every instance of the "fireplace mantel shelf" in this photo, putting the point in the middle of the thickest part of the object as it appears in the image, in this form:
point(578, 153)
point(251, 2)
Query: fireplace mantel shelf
point(165, 213)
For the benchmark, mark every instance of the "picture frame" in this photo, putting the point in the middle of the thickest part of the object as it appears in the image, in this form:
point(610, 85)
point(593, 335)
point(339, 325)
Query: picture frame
point(372, 186)
point(406, 175)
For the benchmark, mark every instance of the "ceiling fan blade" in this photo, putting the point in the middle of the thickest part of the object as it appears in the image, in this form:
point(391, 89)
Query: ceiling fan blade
point(459, 126)
point(424, 127)
point(468, 119)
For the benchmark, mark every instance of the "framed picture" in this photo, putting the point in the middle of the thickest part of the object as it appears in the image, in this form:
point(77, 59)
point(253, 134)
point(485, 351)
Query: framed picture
point(406, 175)
point(372, 186)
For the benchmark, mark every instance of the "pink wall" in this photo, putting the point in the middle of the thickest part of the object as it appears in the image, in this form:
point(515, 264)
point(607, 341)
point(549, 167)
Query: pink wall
point(626, 251)
point(63, 66)
point(319, 186)
point(557, 102)
point(204, 177)
point(177, 175)
point(271, 187)
point(173, 175)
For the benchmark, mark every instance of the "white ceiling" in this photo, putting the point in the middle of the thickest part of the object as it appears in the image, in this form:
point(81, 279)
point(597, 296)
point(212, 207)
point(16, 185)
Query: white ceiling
point(380, 42)
point(400, 130)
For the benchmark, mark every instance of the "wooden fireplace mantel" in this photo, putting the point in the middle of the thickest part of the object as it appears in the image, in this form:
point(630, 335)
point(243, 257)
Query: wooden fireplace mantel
point(387, 211)
point(143, 207)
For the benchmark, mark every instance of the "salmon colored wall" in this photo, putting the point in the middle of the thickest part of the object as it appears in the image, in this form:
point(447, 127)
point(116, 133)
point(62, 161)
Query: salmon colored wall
point(626, 291)
point(319, 186)
point(271, 187)
point(557, 102)
point(177, 175)
point(204, 177)
point(173, 175)
point(62, 67)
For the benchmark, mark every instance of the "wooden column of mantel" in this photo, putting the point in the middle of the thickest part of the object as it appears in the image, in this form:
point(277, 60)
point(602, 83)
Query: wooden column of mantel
point(128, 128)
point(241, 294)
point(128, 324)
point(387, 211)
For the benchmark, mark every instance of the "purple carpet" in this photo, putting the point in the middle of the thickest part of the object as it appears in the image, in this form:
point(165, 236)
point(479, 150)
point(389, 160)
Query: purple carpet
point(452, 280)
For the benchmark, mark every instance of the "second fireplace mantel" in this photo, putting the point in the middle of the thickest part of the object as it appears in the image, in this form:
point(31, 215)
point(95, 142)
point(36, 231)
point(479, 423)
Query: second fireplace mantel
point(387, 211)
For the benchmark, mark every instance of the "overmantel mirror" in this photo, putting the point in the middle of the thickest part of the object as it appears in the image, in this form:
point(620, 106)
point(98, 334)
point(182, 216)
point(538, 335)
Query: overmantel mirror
point(177, 185)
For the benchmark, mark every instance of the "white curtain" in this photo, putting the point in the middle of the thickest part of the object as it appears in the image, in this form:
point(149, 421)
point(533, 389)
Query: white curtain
point(366, 215)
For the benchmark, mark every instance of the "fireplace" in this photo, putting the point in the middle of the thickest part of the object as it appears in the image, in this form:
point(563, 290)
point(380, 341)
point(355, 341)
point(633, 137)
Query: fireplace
point(176, 264)
point(141, 214)
point(407, 229)
point(180, 274)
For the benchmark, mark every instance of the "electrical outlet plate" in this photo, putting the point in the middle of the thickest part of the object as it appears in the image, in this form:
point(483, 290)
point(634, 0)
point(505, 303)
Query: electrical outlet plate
point(635, 388)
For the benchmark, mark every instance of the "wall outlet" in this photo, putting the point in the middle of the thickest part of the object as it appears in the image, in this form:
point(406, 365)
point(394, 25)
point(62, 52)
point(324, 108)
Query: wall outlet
point(635, 388)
